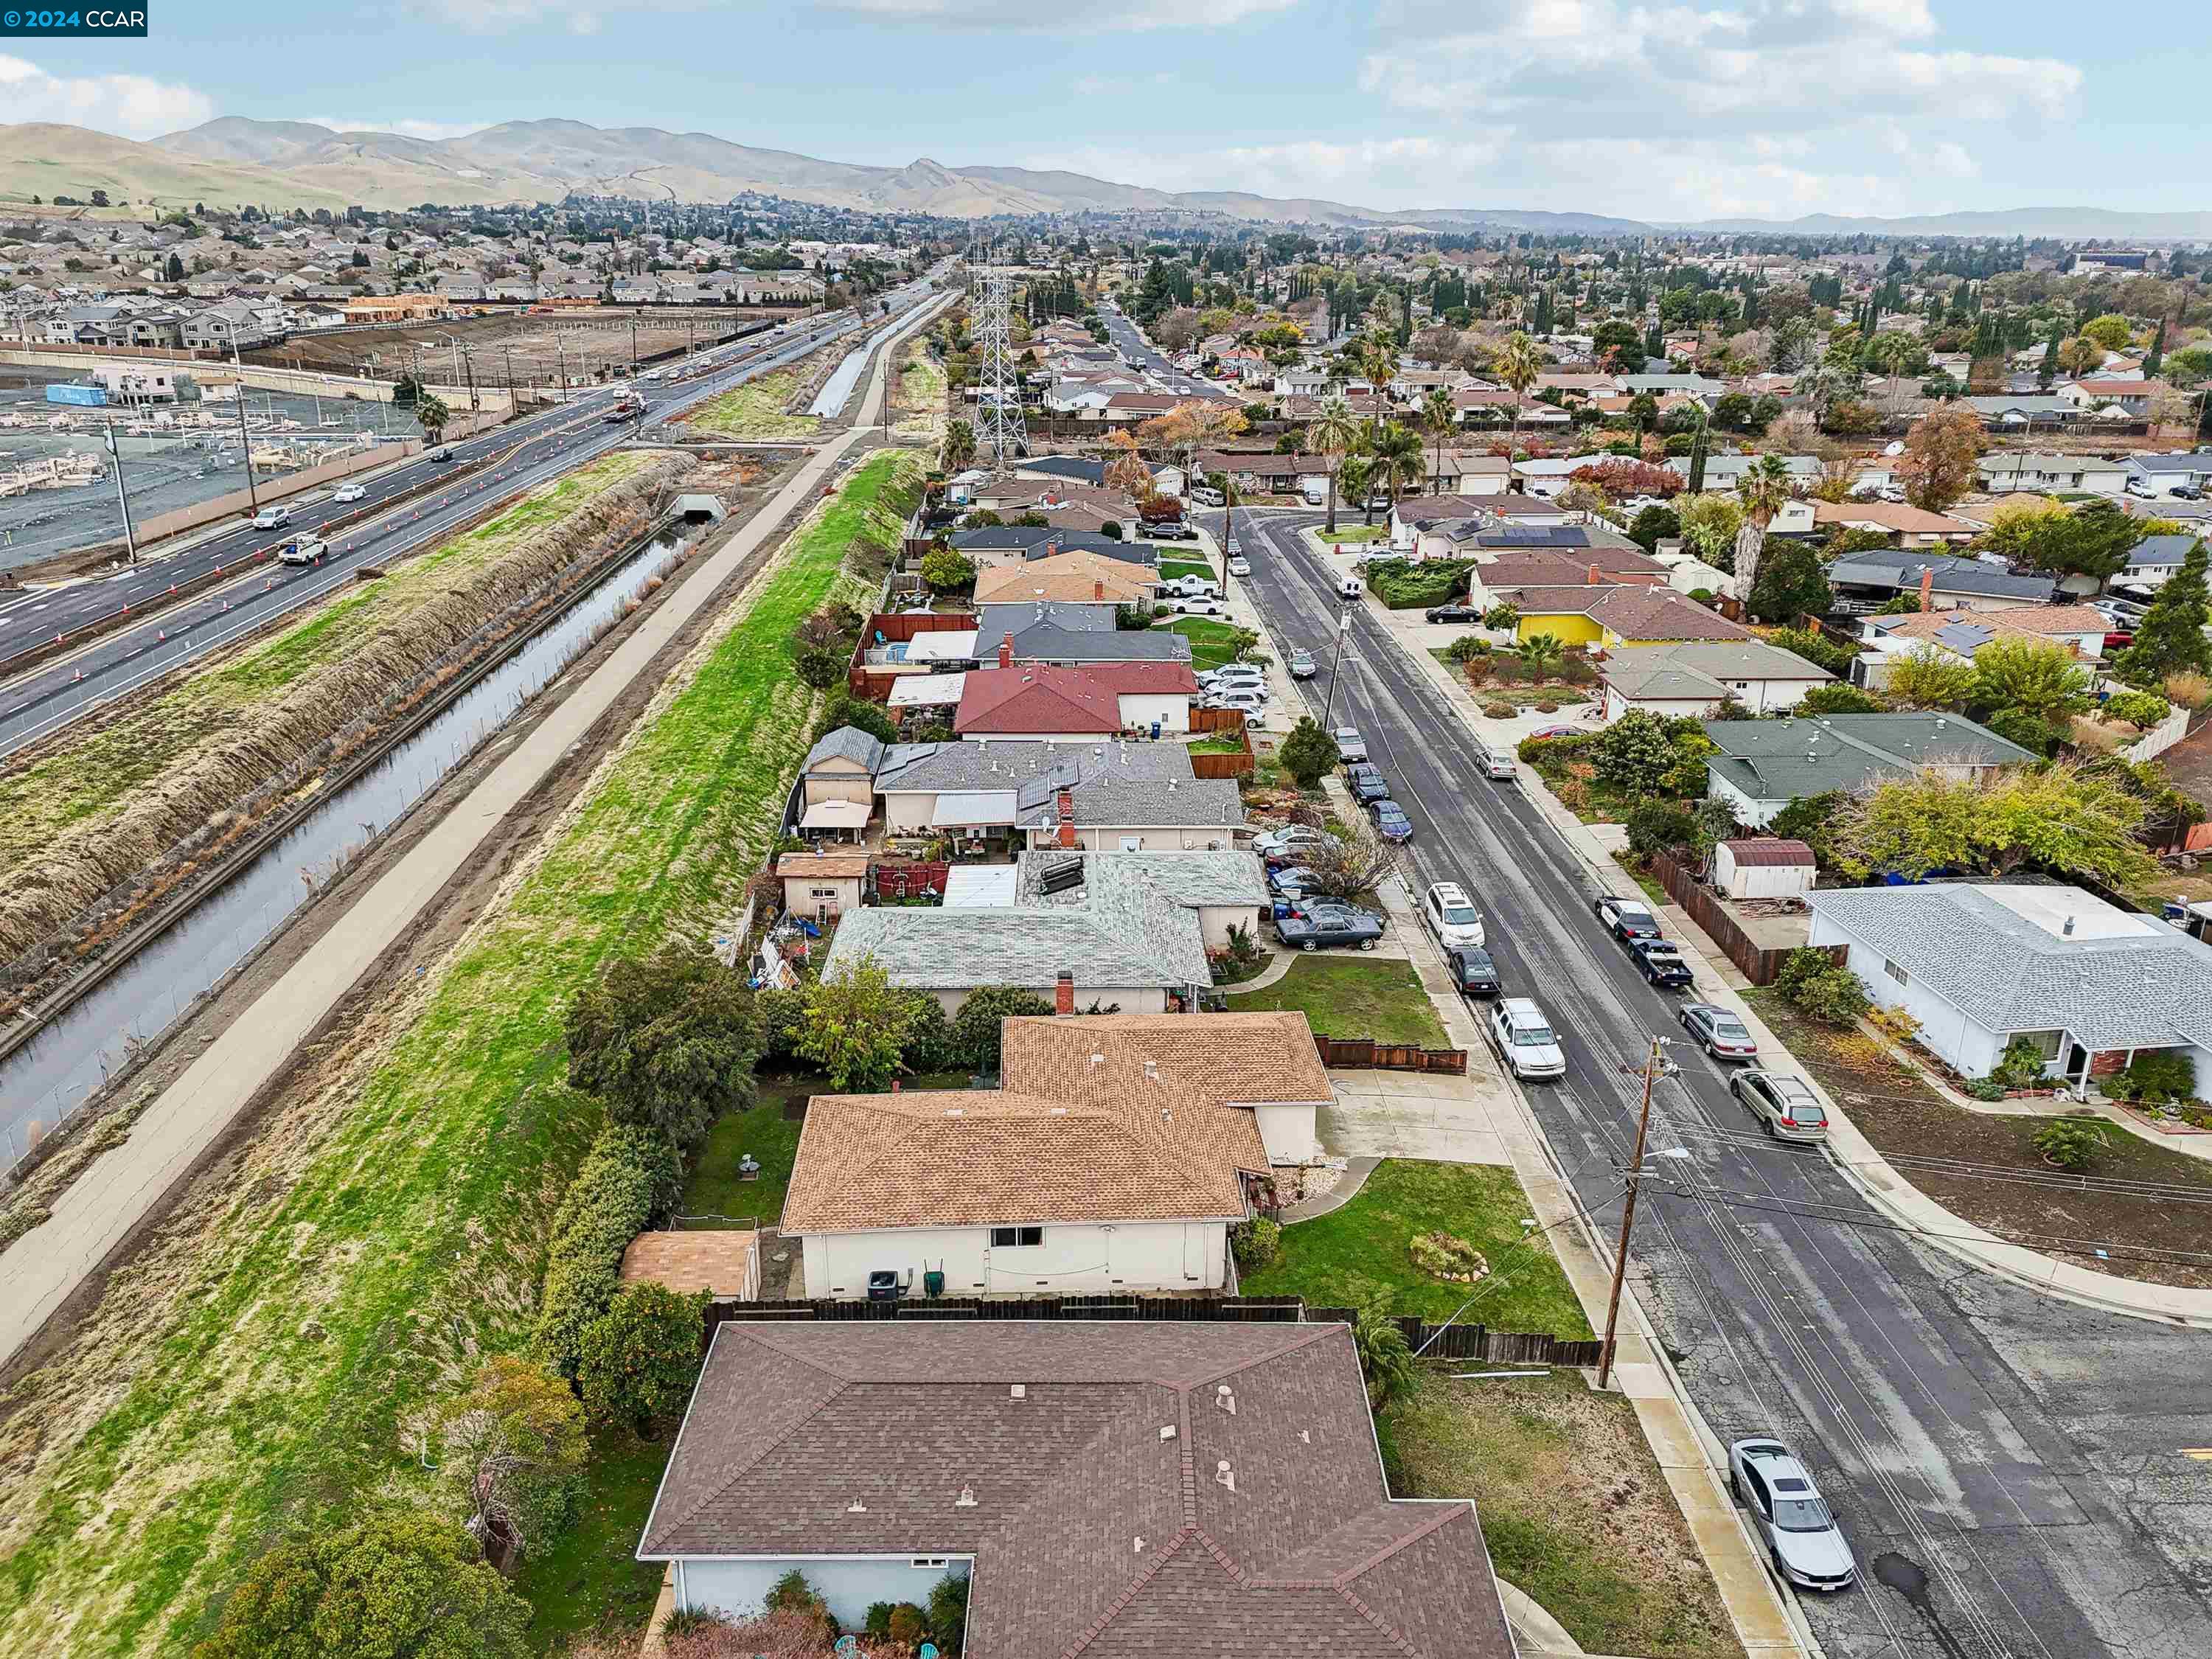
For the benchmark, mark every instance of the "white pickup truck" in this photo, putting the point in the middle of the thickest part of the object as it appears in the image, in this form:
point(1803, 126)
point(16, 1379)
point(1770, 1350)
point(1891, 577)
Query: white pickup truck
point(302, 549)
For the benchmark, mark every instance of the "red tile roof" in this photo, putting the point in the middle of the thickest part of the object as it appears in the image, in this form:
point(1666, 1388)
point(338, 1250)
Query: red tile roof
point(1041, 697)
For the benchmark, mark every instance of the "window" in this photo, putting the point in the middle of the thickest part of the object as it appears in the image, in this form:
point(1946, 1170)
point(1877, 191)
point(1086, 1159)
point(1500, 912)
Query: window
point(1894, 971)
point(825, 892)
point(1009, 1238)
point(930, 1562)
point(2047, 1044)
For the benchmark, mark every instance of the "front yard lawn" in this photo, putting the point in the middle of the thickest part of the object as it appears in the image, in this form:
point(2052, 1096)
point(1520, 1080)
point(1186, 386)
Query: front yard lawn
point(1212, 644)
point(1894, 1108)
point(1184, 565)
point(1354, 996)
point(1572, 1504)
point(1353, 1255)
point(1354, 532)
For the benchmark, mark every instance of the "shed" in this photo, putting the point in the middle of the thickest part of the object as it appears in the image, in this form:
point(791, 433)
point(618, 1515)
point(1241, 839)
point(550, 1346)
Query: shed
point(1763, 866)
point(822, 885)
point(724, 1262)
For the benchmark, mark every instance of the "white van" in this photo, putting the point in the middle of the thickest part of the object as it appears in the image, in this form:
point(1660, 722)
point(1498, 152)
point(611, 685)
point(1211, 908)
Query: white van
point(275, 516)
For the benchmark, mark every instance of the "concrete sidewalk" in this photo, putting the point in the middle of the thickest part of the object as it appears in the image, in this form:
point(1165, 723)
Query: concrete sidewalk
point(100, 1209)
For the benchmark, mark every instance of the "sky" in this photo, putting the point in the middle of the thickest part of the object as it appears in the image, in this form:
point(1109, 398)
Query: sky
point(1658, 110)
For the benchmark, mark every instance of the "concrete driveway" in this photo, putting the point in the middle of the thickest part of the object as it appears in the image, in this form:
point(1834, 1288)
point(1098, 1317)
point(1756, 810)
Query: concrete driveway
point(1416, 1114)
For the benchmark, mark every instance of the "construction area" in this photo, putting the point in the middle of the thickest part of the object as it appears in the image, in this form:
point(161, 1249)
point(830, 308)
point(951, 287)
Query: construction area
point(532, 348)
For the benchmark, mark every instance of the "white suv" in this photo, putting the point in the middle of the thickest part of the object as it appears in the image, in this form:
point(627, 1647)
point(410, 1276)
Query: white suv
point(1451, 915)
point(1523, 1038)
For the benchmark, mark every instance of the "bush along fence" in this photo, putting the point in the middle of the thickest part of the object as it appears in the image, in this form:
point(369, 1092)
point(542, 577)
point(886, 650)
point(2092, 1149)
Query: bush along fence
point(1760, 962)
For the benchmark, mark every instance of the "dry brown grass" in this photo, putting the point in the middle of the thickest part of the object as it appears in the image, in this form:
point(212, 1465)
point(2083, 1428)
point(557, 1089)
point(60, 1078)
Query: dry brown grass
point(199, 762)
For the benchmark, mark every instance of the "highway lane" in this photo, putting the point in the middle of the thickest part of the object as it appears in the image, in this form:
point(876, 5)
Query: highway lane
point(1141, 354)
point(2001, 1500)
point(528, 452)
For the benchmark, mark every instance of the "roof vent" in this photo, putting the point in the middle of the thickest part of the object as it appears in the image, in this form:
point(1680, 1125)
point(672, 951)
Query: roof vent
point(1167, 1431)
point(1226, 1401)
point(2068, 930)
point(856, 1507)
point(955, 1111)
point(966, 1500)
point(1305, 1437)
point(1140, 1546)
point(1223, 1476)
point(1152, 1070)
point(1058, 1111)
point(1018, 1391)
point(1097, 1059)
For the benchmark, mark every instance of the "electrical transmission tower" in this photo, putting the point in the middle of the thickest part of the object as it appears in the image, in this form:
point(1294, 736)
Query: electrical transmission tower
point(999, 431)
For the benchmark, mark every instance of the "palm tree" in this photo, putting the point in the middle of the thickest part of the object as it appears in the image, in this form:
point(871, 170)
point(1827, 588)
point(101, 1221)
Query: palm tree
point(432, 414)
point(1334, 433)
point(1378, 361)
point(1357, 472)
point(1397, 458)
point(1542, 652)
point(1764, 489)
point(1385, 1360)
point(1440, 416)
point(958, 449)
point(1517, 366)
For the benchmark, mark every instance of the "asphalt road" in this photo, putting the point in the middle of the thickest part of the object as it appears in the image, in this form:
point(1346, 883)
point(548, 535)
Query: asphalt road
point(2008, 1469)
point(1133, 345)
point(529, 451)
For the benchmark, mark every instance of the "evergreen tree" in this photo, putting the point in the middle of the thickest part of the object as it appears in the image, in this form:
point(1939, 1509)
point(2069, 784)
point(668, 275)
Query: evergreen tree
point(2154, 359)
point(2170, 639)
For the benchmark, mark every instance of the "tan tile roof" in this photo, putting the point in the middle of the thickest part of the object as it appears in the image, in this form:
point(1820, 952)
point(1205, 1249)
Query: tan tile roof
point(1068, 577)
point(1634, 613)
point(716, 1262)
point(829, 865)
point(2040, 621)
point(1891, 515)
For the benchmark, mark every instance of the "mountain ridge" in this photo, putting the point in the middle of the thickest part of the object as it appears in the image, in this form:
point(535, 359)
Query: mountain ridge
point(233, 159)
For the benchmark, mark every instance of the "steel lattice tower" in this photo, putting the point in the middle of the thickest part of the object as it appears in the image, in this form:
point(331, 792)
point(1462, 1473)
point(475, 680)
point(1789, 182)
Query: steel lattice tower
point(1000, 432)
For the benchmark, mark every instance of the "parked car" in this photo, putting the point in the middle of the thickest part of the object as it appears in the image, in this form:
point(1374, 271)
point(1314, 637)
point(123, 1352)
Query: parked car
point(1240, 565)
point(1523, 1038)
point(1289, 881)
point(1718, 1032)
point(1234, 672)
point(1191, 586)
point(1789, 1515)
point(1660, 962)
point(1232, 545)
point(1246, 699)
point(1301, 663)
point(1202, 606)
point(349, 492)
point(302, 549)
point(1787, 1107)
point(1288, 839)
point(1367, 783)
point(1169, 532)
point(1349, 589)
point(1472, 970)
point(1330, 927)
point(1627, 919)
point(1459, 611)
point(1451, 914)
point(1350, 746)
point(275, 516)
point(1390, 820)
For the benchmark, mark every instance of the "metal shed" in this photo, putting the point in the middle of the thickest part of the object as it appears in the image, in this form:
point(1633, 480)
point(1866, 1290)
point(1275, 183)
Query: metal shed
point(1762, 867)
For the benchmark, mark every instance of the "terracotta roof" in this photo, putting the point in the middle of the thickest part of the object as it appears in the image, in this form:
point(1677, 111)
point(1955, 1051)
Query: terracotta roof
point(1266, 1529)
point(1770, 850)
point(718, 1261)
point(1037, 697)
point(2041, 621)
point(1634, 613)
point(847, 865)
point(1891, 515)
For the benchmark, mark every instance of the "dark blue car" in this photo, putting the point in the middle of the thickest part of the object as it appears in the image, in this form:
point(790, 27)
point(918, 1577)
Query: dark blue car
point(1391, 822)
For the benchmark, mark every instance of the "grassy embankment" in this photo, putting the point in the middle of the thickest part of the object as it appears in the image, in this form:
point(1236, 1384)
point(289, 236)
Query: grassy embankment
point(919, 397)
point(92, 812)
point(270, 1372)
point(755, 409)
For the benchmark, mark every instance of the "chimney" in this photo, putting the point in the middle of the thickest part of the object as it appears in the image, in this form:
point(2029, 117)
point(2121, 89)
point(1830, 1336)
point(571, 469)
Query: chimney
point(1066, 806)
point(1097, 588)
point(1927, 583)
point(1005, 650)
point(1063, 993)
point(1593, 576)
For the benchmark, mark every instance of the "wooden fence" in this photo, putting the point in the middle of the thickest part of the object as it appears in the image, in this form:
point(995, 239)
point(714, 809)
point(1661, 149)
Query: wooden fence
point(1479, 1342)
point(1365, 1053)
point(1239, 764)
point(1760, 962)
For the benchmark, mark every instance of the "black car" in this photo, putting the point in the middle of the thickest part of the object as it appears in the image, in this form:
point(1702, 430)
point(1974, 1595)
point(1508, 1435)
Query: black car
point(1325, 927)
point(1660, 962)
point(1458, 610)
point(1472, 971)
point(1368, 783)
point(1627, 919)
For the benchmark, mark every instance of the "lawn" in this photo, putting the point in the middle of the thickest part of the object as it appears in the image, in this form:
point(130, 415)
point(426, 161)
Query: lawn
point(1351, 1256)
point(269, 1371)
point(591, 1581)
point(755, 409)
point(1355, 995)
point(1354, 532)
point(1573, 1506)
point(1893, 1106)
point(1521, 697)
point(1212, 644)
point(715, 1196)
point(1171, 569)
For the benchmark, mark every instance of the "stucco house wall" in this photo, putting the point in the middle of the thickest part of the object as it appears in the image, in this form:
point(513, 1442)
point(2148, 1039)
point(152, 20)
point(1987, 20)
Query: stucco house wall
point(1075, 1257)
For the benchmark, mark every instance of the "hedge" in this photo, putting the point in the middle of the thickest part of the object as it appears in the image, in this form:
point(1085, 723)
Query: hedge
point(1404, 586)
point(630, 1179)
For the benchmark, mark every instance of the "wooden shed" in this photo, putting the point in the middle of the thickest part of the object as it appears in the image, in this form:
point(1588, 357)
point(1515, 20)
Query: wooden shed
point(822, 885)
point(1763, 867)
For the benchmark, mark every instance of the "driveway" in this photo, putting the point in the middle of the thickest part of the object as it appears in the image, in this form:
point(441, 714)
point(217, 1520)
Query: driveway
point(1415, 1115)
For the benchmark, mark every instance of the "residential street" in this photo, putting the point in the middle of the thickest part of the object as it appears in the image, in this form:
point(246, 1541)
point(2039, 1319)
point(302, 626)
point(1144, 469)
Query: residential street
point(2008, 1468)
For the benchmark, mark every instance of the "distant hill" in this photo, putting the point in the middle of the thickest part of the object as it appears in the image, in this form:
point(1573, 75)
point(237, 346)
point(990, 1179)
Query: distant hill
point(235, 160)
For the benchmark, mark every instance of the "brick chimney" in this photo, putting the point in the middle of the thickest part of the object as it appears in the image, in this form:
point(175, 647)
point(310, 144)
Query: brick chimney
point(1005, 650)
point(1051, 545)
point(1067, 804)
point(1098, 587)
point(1063, 994)
point(1593, 578)
point(1927, 585)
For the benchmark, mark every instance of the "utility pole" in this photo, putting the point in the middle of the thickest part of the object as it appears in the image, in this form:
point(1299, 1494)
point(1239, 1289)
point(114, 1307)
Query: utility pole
point(1652, 1063)
point(123, 496)
point(1343, 627)
point(245, 444)
point(561, 363)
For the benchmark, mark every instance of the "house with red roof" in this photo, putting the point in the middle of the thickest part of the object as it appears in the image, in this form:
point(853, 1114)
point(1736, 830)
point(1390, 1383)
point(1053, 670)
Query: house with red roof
point(1100, 700)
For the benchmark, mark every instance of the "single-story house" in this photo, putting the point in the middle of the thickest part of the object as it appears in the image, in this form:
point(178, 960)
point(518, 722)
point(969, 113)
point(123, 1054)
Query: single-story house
point(1069, 578)
point(822, 885)
point(1039, 700)
point(1505, 574)
point(973, 791)
point(1613, 615)
point(1185, 1487)
point(1467, 472)
point(2079, 628)
point(1229, 890)
point(1696, 678)
point(1078, 804)
point(1941, 581)
point(1012, 543)
point(2155, 559)
point(2023, 411)
point(1762, 766)
point(1071, 636)
point(2156, 474)
point(2005, 473)
point(1980, 965)
point(1726, 471)
point(1906, 527)
point(837, 784)
point(2131, 396)
point(1277, 474)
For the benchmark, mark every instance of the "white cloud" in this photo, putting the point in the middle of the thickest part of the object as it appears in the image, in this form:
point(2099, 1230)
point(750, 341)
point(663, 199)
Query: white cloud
point(129, 105)
point(1106, 15)
point(431, 130)
point(576, 16)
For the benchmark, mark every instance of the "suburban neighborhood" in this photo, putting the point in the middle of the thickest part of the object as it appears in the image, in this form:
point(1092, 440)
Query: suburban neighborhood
point(759, 907)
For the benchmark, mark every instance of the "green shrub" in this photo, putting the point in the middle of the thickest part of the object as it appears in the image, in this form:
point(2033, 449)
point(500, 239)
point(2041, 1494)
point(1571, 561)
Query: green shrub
point(1465, 647)
point(1257, 1241)
point(975, 1027)
point(910, 1626)
point(1799, 966)
point(1546, 752)
point(1657, 826)
point(637, 1361)
point(1834, 998)
point(2156, 1076)
point(1402, 585)
point(928, 1046)
point(2020, 1067)
point(879, 1622)
point(1984, 1088)
point(948, 1611)
point(2070, 1143)
point(793, 1594)
point(1500, 711)
point(2031, 732)
point(630, 1180)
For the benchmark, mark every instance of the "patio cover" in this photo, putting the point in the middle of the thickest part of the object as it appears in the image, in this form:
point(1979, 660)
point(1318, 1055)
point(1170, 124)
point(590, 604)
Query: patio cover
point(837, 815)
point(957, 809)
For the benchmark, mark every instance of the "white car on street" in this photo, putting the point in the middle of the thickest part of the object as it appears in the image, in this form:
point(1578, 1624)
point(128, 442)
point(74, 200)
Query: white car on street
point(351, 492)
point(1451, 914)
point(1526, 1044)
point(1789, 1515)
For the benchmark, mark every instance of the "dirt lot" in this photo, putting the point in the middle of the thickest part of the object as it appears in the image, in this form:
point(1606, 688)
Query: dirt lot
point(590, 343)
point(2010, 1190)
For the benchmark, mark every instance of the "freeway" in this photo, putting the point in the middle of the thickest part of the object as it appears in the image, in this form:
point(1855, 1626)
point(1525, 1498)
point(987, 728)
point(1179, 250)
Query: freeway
point(518, 455)
point(2010, 1469)
point(1141, 354)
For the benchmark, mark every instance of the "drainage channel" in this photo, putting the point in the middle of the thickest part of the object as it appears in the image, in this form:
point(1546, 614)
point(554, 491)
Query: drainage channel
point(51, 1075)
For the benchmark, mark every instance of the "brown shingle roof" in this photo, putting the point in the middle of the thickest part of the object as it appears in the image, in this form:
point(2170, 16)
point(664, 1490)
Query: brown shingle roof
point(828, 865)
point(1634, 613)
point(1090, 1532)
